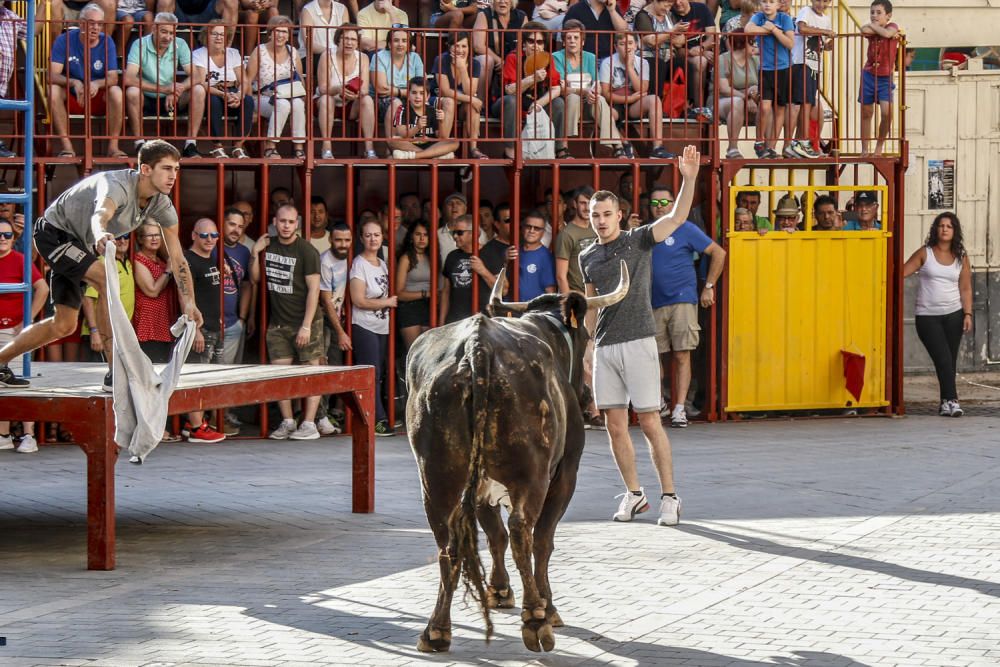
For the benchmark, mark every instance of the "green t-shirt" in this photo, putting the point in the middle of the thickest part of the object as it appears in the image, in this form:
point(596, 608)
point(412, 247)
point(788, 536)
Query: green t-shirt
point(159, 68)
point(570, 242)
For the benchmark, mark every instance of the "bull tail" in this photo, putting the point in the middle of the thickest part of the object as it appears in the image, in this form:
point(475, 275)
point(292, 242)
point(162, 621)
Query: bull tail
point(464, 531)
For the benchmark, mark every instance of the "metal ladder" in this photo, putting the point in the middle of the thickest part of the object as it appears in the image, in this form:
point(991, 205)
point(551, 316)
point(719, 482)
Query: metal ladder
point(25, 106)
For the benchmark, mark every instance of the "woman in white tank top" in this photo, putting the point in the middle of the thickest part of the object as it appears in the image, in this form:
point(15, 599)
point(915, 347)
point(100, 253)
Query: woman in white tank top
point(944, 302)
point(342, 81)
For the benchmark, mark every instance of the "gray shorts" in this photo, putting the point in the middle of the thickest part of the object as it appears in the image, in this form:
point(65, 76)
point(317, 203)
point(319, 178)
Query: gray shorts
point(627, 372)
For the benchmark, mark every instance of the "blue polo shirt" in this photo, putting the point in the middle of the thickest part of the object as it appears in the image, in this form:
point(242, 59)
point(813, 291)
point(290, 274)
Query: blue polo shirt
point(773, 54)
point(674, 277)
point(537, 271)
point(69, 51)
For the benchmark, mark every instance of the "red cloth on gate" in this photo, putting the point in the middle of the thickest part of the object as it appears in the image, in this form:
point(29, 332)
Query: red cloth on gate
point(854, 372)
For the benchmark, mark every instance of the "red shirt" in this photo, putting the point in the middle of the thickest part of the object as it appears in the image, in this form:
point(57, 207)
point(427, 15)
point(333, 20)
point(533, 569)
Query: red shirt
point(12, 305)
point(512, 74)
point(881, 54)
point(154, 315)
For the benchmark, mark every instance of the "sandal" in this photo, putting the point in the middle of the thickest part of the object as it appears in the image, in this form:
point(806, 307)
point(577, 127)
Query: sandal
point(299, 154)
point(170, 437)
point(563, 154)
point(65, 154)
point(218, 153)
point(120, 154)
point(239, 153)
point(477, 154)
point(272, 154)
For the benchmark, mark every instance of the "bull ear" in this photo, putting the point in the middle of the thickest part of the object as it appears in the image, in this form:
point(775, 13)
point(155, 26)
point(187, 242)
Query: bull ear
point(574, 308)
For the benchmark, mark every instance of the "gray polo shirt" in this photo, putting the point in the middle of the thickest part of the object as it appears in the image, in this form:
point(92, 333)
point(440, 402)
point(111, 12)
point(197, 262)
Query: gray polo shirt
point(632, 317)
point(73, 209)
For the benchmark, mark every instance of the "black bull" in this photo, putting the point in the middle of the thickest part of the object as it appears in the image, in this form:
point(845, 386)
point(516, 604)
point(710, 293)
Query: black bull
point(494, 417)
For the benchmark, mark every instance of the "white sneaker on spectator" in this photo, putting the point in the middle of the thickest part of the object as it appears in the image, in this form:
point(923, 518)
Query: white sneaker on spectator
point(956, 409)
point(945, 409)
point(305, 431)
point(231, 418)
point(327, 427)
point(664, 410)
point(790, 152)
point(631, 505)
point(670, 511)
point(6, 442)
point(286, 428)
point(678, 418)
point(403, 155)
point(28, 444)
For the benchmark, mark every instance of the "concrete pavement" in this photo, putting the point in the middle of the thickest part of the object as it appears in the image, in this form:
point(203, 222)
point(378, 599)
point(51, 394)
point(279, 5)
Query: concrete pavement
point(817, 542)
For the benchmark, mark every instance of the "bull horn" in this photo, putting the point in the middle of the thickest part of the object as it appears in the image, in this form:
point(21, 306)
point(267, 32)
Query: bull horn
point(605, 300)
point(496, 297)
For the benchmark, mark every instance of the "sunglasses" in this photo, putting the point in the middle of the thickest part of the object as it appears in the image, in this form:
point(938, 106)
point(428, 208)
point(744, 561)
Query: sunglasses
point(661, 202)
point(208, 235)
point(540, 42)
point(505, 221)
point(459, 232)
point(123, 237)
point(6, 235)
point(533, 228)
point(399, 25)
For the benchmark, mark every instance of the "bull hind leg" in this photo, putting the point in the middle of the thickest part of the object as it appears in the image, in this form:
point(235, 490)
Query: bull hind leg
point(436, 637)
point(536, 632)
point(499, 593)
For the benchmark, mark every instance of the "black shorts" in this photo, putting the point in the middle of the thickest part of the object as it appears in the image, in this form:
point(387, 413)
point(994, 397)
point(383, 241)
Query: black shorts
point(774, 86)
point(413, 313)
point(68, 261)
point(804, 85)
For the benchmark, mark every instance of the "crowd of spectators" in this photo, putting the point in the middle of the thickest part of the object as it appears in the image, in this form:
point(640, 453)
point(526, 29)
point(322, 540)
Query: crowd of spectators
point(623, 65)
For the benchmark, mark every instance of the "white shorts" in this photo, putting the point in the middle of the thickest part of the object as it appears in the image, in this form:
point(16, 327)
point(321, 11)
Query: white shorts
point(627, 372)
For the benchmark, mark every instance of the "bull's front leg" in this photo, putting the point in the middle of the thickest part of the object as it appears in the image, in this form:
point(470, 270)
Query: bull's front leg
point(499, 593)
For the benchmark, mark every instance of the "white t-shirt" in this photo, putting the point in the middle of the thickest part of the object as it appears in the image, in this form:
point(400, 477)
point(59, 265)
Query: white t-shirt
point(376, 280)
point(322, 244)
point(612, 70)
point(809, 49)
point(321, 29)
point(215, 73)
point(333, 278)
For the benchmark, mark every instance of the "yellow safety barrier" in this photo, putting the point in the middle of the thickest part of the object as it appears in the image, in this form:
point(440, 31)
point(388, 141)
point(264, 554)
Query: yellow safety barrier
point(795, 300)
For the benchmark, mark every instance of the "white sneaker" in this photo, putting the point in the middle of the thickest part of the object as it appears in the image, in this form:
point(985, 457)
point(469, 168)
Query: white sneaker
point(6, 442)
point(670, 511)
point(945, 409)
point(678, 418)
point(28, 445)
point(233, 419)
point(956, 409)
point(305, 431)
point(403, 155)
point(327, 427)
point(664, 410)
point(286, 428)
point(631, 505)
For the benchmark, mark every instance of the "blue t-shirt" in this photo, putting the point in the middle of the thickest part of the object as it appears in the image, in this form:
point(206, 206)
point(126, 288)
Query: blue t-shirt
point(238, 261)
point(773, 54)
point(398, 77)
point(103, 57)
point(538, 271)
point(674, 278)
point(855, 226)
point(442, 65)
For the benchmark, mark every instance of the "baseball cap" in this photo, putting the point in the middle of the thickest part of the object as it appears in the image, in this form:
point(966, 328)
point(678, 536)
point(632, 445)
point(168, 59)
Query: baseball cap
point(866, 197)
point(455, 195)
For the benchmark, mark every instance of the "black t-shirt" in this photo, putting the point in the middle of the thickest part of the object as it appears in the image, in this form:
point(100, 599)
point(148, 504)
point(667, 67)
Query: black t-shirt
point(286, 268)
point(600, 45)
point(458, 272)
point(405, 116)
point(206, 277)
point(507, 37)
point(700, 18)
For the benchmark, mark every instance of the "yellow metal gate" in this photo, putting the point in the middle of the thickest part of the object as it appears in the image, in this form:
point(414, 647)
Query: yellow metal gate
point(795, 300)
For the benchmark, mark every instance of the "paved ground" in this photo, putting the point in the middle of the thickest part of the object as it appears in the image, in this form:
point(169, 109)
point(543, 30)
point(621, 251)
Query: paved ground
point(826, 542)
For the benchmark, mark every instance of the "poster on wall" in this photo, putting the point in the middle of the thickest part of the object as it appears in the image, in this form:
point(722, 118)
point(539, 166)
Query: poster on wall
point(940, 184)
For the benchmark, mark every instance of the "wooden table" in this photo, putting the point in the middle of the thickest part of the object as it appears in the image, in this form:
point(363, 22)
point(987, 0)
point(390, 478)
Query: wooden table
point(71, 393)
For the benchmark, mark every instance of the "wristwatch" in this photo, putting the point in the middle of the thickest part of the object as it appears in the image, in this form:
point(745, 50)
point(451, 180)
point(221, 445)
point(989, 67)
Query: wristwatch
point(709, 285)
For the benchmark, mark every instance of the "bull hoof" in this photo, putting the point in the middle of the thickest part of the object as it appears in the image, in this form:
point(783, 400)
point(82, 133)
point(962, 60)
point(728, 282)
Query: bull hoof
point(538, 636)
point(555, 620)
point(434, 641)
point(500, 599)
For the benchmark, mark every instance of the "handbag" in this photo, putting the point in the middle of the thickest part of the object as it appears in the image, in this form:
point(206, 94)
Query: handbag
point(286, 89)
point(675, 94)
point(536, 137)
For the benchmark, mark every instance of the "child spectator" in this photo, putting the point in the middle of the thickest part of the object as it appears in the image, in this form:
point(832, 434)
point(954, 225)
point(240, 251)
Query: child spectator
point(418, 129)
point(696, 19)
point(814, 31)
point(876, 77)
point(777, 32)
